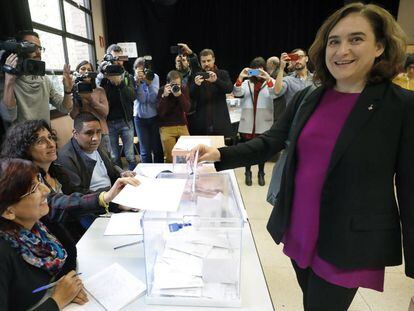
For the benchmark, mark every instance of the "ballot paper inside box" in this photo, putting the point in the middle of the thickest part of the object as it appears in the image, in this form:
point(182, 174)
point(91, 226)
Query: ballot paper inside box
point(193, 255)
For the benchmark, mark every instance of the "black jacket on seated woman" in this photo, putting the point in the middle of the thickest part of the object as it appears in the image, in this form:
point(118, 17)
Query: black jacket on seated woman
point(30, 256)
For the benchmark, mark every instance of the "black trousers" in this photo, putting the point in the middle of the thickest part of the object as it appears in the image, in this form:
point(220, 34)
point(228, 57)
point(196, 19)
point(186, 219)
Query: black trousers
point(320, 295)
point(248, 167)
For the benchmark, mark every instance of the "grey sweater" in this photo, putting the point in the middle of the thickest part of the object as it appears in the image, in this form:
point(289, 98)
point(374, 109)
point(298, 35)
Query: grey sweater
point(33, 95)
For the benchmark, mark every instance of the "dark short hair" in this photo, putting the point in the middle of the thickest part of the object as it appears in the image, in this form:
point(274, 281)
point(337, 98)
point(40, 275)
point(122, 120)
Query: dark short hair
point(83, 63)
point(386, 30)
point(258, 62)
point(113, 48)
point(16, 176)
point(21, 136)
point(81, 118)
point(207, 52)
point(409, 60)
point(173, 74)
point(297, 50)
point(23, 33)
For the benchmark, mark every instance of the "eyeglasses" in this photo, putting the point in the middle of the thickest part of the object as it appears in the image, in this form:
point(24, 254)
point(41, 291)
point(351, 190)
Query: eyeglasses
point(41, 48)
point(34, 188)
point(44, 141)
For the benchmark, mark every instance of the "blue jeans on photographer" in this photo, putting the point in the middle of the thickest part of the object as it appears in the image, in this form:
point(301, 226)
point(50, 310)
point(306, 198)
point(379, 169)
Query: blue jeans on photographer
point(125, 130)
point(148, 133)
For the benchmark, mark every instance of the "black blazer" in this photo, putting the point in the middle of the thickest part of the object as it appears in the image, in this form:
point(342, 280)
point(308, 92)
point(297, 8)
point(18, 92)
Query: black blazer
point(360, 220)
point(209, 100)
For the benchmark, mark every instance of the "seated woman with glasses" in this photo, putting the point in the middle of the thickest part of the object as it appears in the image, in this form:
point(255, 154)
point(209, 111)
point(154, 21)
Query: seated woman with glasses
point(34, 140)
point(30, 256)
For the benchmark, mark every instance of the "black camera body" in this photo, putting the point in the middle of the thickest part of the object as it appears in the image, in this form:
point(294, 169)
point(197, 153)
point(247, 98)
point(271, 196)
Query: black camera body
point(175, 88)
point(25, 65)
point(109, 68)
point(205, 75)
point(149, 74)
point(82, 87)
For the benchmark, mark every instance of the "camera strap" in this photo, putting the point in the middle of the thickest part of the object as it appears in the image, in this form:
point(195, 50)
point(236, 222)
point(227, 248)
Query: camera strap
point(10, 70)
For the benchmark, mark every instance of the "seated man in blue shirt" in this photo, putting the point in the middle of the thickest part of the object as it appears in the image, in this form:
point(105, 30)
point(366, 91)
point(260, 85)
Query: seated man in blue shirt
point(88, 165)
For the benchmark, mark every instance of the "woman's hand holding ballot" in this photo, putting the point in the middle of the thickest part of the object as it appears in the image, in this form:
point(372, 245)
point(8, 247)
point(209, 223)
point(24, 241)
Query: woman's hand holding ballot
point(205, 153)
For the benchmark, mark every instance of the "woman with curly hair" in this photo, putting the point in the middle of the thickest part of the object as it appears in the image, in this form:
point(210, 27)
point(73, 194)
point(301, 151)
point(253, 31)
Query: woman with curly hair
point(30, 256)
point(337, 212)
point(35, 140)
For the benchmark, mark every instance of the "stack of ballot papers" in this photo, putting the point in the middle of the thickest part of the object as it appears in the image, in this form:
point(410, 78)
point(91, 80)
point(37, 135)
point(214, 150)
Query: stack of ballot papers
point(155, 194)
point(197, 263)
point(124, 224)
point(110, 289)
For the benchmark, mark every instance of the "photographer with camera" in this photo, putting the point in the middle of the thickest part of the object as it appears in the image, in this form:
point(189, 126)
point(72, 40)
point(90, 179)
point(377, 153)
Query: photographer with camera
point(182, 64)
point(172, 105)
point(119, 89)
point(298, 80)
point(145, 111)
point(27, 91)
point(208, 88)
point(254, 88)
point(88, 97)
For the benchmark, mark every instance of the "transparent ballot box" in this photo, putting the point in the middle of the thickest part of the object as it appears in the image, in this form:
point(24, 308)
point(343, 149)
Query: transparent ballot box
point(193, 255)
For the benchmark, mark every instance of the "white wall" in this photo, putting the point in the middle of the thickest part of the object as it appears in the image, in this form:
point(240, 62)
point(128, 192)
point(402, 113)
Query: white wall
point(98, 26)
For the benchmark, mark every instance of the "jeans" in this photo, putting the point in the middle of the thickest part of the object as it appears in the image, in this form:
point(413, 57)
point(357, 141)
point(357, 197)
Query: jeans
point(169, 136)
point(126, 131)
point(148, 133)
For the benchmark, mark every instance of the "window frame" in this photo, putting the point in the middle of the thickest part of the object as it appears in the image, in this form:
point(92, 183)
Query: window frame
point(65, 34)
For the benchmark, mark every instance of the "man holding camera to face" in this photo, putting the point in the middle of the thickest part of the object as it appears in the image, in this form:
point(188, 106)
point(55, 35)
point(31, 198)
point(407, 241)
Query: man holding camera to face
point(208, 88)
point(172, 105)
point(298, 80)
point(145, 111)
point(88, 97)
point(27, 91)
point(119, 89)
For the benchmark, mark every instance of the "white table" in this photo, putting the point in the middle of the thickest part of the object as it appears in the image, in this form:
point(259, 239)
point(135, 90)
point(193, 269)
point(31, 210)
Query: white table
point(96, 251)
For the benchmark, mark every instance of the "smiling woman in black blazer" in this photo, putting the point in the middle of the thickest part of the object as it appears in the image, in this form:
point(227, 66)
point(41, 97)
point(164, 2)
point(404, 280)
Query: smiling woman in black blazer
point(353, 140)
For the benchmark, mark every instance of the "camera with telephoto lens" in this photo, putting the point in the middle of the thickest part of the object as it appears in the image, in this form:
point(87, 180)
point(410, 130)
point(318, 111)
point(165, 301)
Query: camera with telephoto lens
point(108, 66)
point(81, 86)
point(175, 88)
point(25, 65)
point(149, 74)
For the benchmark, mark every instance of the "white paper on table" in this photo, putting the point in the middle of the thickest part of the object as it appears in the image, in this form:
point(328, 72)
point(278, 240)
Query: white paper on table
point(198, 250)
point(183, 292)
point(210, 207)
point(189, 143)
point(161, 194)
point(114, 287)
point(180, 262)
point(168, 279)
point(124, 224)
point(192, 235)
point(219, 291)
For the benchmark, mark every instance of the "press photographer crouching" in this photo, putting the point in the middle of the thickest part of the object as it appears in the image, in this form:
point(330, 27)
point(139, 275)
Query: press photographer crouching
point(88, 97)
point(119, 89)
point(173, 102)
point(26, 92)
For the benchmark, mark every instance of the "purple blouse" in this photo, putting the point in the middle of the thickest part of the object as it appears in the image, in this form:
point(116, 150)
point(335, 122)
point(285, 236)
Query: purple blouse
point(314, 149)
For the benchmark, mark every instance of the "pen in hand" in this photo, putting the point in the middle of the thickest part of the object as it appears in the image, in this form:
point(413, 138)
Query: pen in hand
point(50, 285)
